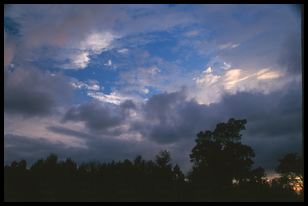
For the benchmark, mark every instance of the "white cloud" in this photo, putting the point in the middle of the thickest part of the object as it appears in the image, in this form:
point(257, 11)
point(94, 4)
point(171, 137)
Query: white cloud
point(226, 66)
point(153, 70)
point(93, 44)
point(209, 70)
point(191, 33)
point(228, 46)
point(78, 60)
point(233, 77)
point(77, 85)
point(209, 88)
point(268, 74)
point(146, 91)
point(138, 80)
point(123, 51)
point(262, 81)
point(207, 79)
point(109, 63)
point(90, 85)
point(113, 97)
point(96, 43)
point(93, 85)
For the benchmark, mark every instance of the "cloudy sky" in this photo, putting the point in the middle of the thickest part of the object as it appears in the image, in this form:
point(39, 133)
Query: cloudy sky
point(109, 82)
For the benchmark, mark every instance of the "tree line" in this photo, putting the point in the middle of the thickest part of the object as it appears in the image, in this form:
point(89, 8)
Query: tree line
point(222, 171)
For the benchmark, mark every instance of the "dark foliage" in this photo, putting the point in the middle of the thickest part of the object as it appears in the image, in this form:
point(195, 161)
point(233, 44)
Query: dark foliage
point(222, 171)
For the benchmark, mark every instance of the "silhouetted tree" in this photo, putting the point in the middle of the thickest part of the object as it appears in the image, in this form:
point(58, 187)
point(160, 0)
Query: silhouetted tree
point(258, 176)
point(220, 154)
point(221, 171)
point(220, 160)
point(291, 163)
point(178, 175)
point(291, 169)
point(163, 159)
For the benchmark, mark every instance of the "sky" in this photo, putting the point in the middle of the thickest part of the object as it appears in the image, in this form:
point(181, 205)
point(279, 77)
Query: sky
point(110, 82)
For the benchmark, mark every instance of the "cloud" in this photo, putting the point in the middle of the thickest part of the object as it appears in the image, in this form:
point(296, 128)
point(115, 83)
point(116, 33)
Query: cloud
point(228, 46)
point(274, 121)
point(109, 63)
point(154, 18)
point(97, 42)
point(290, 54)
point(113, 97)
point(97, 116)
point(61, 25)
point(92, 85)
point(249, 40)
point(78, 60)
point(137, 81)
point(97, 27)
point(211, 87)
point(245, 77)
point(226, 66)
point(18, 147)
point(30, 92)
point(79, 34)
point(9, 50)
point(79, 56)
point(208, 70)
point(83, 31)
point(69, 132)
point(123, 51)
point(171, 120)
point(102, 149)
point(191, 33)
point(279, 113)
point(169, 117)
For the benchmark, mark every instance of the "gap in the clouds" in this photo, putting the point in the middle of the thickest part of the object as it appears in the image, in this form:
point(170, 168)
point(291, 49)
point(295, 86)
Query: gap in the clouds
point(81, 96)
point(106, 78)
point(162, 47)
point(152, 91)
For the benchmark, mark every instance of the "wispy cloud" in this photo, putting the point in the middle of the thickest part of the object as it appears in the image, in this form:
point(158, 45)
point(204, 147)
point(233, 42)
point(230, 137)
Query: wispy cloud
point(210, 86)
point(113, 97)
point(228, 46)
point(89, 85)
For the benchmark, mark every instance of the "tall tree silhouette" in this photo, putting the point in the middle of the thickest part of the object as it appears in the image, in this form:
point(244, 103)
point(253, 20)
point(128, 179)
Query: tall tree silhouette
point(220, 158)
point(292, 172)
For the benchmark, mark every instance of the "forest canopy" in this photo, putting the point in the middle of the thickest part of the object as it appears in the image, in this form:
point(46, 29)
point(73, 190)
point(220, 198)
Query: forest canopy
point(222, 171)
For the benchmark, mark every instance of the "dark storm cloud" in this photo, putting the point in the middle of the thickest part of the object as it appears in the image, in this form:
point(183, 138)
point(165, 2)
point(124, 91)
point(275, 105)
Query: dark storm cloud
point(66, 131)
point(278, 113)
point(169, 117)
point(269, 150)
point(273, 128)
point(98, 116)
point(274, 122)
point(30, 92)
